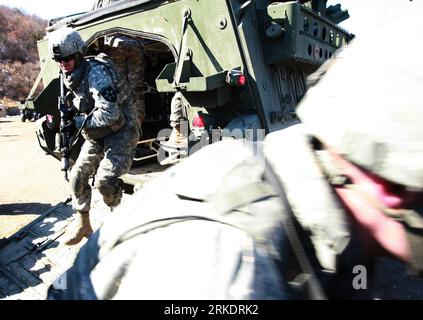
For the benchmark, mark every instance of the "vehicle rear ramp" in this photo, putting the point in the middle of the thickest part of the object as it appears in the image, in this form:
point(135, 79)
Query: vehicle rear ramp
point(32, 258)
point(35, 256)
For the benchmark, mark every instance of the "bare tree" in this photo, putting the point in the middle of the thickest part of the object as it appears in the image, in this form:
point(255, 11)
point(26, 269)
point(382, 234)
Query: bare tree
point(19, 65)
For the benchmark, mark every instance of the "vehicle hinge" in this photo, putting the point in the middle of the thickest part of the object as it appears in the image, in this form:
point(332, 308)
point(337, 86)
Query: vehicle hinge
point(184, 53)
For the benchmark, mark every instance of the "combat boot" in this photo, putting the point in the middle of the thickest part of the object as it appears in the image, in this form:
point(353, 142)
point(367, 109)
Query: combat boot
point(177, 139)
point(79, 229)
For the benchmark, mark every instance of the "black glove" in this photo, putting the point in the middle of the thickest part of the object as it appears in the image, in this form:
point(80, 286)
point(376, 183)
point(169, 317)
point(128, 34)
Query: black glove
point(69, 126)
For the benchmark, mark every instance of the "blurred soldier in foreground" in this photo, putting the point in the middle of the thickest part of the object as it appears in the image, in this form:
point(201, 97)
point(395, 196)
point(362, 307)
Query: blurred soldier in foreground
point(109, 123)
point(128, 56)
point(291, 218)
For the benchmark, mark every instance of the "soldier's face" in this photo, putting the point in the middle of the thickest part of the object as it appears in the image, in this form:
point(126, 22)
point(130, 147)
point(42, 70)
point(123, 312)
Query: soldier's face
point(367, 198)
point(67, 65)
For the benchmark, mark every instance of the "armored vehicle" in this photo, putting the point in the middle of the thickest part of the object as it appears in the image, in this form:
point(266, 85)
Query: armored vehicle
point(241, 64)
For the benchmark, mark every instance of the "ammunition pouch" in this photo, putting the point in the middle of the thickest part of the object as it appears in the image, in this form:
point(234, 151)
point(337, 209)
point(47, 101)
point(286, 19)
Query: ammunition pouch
point(82, 105)
point(100, 133)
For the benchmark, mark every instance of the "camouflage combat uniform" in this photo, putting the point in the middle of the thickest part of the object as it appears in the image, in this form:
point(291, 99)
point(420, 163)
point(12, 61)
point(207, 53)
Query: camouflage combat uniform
point(179, 135)
point(111, 132)
point(128, 56)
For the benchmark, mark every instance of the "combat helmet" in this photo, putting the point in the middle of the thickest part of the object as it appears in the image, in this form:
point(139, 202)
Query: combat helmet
point(368, 106)
point(65, 42)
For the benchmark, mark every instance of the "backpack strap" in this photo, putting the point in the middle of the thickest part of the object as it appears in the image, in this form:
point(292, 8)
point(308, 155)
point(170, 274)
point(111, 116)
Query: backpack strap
point(222, 205)
point(104, 60)
point(308, 276)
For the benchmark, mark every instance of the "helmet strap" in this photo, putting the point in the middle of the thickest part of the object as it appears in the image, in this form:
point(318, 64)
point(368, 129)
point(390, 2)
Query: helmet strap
point(78, 60)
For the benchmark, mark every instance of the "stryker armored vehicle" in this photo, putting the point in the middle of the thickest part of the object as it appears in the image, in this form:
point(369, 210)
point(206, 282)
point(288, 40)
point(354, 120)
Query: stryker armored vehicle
point(241, 64)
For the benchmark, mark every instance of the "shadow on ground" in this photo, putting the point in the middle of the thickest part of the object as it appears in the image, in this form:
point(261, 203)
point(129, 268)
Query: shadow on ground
point(24, 208)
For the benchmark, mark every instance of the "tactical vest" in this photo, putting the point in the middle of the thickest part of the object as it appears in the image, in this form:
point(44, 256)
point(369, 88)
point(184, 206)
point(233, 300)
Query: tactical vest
point(85, 103)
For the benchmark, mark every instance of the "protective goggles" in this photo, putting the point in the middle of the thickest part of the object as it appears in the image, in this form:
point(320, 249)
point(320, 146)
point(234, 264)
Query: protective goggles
point(64, 59)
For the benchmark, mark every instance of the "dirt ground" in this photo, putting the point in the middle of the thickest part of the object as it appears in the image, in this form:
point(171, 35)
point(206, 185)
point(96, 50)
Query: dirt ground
point(30, 181)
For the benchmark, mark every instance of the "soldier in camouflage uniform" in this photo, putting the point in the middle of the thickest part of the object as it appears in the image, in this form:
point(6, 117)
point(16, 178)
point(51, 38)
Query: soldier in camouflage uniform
point(103, 101)
point(297, 215)
point(128, 56)
point(179, 135)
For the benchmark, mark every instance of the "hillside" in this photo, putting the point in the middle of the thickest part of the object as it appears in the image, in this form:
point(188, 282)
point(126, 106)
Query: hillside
point(19, 65)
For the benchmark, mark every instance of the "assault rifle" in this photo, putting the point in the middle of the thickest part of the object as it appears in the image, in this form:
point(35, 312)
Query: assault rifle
point(69, 133)
point(67, 127)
